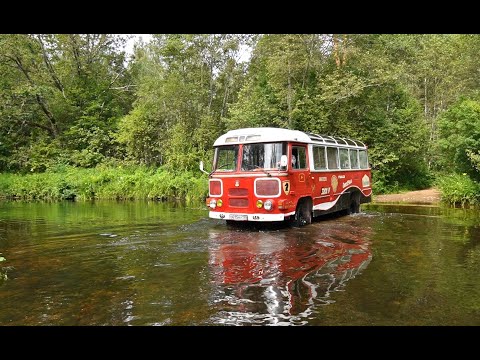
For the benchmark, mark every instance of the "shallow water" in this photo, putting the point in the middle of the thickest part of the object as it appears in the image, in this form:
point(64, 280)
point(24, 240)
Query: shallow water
point(139, 263)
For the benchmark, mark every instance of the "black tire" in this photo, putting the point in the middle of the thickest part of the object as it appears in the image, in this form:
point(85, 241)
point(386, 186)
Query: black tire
point(303, 214)
point(354, 207)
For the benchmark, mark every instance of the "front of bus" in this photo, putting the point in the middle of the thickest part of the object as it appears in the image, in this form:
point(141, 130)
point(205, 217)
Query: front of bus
point(249, 181)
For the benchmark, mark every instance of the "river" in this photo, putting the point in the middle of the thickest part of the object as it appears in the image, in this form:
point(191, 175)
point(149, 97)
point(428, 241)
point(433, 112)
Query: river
point(150, 263)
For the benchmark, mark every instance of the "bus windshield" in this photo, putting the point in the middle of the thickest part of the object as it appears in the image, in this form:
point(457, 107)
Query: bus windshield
point(226, 158)
point(262, 156)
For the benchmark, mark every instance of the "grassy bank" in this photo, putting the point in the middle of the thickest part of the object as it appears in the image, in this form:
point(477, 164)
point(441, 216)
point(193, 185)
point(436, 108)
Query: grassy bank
point(459, 190)
point(104, 183)
point(139, 183)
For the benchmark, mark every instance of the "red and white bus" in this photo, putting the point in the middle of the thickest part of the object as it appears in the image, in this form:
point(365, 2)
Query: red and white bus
point(273, 174)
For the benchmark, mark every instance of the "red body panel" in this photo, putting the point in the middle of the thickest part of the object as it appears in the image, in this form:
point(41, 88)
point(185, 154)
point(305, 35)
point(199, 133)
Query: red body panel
point(239, 195)
point(321, 186)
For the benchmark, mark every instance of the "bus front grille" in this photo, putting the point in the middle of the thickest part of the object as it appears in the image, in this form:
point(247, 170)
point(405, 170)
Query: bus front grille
point(238, 192)
point(238, 202)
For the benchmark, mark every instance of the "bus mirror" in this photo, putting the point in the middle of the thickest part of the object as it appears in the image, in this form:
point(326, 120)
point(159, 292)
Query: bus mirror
point(201, 168)
point(283, 162)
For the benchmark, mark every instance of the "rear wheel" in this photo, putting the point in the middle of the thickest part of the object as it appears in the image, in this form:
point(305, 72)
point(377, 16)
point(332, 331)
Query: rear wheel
point(354, 207)
point(303, 213)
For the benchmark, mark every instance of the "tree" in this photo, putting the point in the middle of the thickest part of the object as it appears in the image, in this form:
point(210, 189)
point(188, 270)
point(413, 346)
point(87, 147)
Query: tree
point(460, 138)
point(186, 84)
point(65, 91)
point(339, 85)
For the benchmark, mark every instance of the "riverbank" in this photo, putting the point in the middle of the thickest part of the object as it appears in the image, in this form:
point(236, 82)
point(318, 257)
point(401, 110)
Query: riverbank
point(428, 197)
point(118, 183)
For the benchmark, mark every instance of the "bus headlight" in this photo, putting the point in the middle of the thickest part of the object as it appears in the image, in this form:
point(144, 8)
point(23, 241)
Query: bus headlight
point(219, 202)
point(259, 204)
point(213, 204)
point(268, 205)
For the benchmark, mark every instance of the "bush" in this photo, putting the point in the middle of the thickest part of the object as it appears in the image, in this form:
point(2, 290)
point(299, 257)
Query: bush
point(459, 190)
point(459, 142)
point(128, 182)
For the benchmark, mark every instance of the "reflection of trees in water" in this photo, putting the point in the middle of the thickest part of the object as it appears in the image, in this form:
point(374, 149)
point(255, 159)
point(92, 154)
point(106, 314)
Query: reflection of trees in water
point(281, 277)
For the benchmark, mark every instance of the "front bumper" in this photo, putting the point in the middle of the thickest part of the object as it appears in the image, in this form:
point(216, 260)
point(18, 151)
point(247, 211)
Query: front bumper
point(248, 217)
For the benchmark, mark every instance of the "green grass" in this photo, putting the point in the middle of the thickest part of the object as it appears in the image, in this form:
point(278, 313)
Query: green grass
point(118, 183)
point(459, 190)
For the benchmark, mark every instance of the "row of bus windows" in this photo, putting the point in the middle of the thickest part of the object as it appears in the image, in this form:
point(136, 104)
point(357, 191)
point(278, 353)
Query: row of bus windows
point(339, 158)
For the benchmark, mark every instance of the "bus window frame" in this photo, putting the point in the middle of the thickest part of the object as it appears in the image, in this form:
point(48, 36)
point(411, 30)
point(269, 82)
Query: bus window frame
point(290, 152)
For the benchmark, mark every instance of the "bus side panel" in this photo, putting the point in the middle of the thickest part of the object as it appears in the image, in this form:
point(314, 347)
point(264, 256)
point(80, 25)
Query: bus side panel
point(330, 185)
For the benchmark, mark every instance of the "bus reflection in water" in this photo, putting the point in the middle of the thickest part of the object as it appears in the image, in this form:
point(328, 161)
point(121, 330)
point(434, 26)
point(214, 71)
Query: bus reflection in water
point(269, 278)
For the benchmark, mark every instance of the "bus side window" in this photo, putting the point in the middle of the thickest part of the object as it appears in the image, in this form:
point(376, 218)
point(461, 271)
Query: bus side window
point(299, 157)
point(332, 157)
point(353, 158)
point(294, 163)
point(344, 159)
point(319, 158)
point(362, 154)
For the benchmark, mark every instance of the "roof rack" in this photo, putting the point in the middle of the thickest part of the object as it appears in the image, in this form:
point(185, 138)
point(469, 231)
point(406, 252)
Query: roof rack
point(334, 140)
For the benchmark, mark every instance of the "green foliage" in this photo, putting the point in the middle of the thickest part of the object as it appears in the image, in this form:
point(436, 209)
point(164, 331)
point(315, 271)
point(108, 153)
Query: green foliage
point(474, 159)
point(3, 270)
point(122, 182)
point(459, 190)
point(61, 99)
point(400, 138)
point(185, 84)
point(460, 138)
point(347, 92)
point(71, 100)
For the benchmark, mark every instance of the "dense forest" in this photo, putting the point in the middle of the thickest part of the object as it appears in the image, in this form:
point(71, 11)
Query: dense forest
point(84, 119)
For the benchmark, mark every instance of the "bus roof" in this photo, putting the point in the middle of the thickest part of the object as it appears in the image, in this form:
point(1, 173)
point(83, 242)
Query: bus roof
point(270, 134)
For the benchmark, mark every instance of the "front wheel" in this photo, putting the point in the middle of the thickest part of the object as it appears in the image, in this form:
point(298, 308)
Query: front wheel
point(303, 213)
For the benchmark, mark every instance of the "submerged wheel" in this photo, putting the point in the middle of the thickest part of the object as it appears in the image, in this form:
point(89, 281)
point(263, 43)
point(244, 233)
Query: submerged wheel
point(303, 213)
point(354, 207)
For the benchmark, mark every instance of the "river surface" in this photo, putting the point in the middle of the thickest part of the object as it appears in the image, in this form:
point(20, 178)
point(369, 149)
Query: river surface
point(149, 263)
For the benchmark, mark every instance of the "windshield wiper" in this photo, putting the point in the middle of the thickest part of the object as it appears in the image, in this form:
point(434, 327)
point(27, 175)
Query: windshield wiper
point(265, 171)
point(218, 168)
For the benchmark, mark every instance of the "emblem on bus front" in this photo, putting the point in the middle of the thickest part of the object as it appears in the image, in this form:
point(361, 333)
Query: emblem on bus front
point(237, 183)
point(334, 183)
point(365, 181)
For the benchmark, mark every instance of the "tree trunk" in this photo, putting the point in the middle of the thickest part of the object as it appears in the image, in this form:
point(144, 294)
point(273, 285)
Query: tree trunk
point(289, 97)
point(225, 96)
point(50, 68)
point(41, 102)
point(425, 99)
point(76, 55)
point(335, 50)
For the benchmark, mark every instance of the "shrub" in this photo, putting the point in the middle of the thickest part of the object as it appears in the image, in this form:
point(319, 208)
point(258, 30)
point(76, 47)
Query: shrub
point(459, 190)
point(121, 182)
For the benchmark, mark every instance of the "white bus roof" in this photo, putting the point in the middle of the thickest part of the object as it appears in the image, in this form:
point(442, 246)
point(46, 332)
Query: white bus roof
point(269, 134)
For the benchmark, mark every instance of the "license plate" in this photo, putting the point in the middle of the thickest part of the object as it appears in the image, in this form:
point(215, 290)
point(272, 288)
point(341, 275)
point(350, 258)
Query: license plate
point(238, 217)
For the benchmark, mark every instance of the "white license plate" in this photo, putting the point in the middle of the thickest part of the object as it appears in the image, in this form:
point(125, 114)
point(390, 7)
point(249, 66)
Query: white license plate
point(238, 217)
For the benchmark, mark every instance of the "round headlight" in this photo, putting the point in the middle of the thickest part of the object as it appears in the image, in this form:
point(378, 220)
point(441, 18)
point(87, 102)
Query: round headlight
point(259, 204)
point(268, 205)
point(213, 203)
point(219, 202)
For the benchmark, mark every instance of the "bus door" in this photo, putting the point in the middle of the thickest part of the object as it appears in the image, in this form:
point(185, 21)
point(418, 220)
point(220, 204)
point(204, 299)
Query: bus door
point(300, 182)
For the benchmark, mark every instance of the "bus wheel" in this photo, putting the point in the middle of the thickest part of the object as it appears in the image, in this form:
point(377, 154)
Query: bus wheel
point(303, 214)
point(354, 204)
